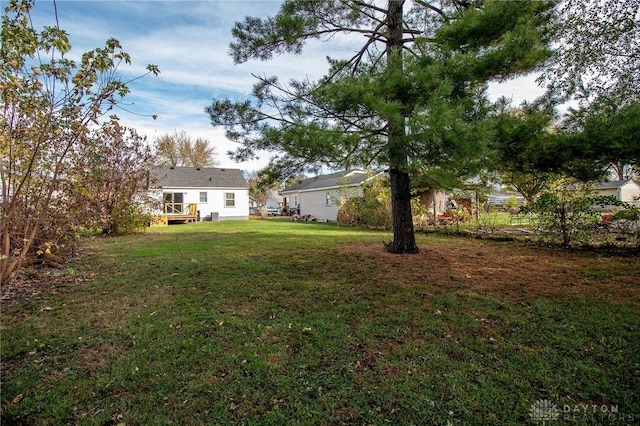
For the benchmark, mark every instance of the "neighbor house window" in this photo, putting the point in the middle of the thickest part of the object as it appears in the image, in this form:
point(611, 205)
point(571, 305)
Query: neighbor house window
point(203, 197)
point(329, 199)
point(295, 201)
point(229, 199)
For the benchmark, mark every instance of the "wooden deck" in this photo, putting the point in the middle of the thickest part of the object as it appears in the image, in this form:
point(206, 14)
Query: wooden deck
point(175, 213)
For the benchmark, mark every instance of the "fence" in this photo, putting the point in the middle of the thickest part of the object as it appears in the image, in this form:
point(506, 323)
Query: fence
point(493, 220)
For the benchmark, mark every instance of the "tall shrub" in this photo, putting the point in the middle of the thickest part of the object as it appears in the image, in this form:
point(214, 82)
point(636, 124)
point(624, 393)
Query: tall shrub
point(371, 210)
point(49, 105)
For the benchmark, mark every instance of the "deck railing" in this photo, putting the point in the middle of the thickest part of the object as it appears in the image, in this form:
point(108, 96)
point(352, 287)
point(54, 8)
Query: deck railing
point(181, 208)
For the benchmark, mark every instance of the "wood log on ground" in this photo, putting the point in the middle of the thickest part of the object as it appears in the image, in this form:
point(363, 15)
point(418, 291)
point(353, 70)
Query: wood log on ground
point(49, 259)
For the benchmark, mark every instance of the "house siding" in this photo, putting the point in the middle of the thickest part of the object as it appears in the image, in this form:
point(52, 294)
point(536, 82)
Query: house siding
point(314, 202)
point(630, 193)
point(609, 192)
point(311, 193)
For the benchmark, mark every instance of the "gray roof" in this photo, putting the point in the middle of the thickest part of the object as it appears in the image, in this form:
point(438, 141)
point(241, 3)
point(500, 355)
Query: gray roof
point(192, 177)
point(333, 180)
point(614, 184)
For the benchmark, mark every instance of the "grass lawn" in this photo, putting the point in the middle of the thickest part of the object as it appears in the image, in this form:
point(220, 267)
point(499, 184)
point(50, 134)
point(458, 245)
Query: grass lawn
point(276, 322)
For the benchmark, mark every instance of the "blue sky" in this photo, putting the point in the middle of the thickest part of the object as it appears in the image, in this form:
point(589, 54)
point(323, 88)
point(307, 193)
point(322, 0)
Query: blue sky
point(189, 40)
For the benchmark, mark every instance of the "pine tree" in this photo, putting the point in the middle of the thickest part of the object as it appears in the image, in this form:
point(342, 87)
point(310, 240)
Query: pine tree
point(412, 99)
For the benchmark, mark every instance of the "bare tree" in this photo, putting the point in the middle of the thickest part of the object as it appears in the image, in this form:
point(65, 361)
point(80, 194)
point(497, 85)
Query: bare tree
point(179, 150)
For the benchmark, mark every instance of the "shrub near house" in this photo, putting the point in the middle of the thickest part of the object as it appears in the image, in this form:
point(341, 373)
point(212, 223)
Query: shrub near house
point(370, 210)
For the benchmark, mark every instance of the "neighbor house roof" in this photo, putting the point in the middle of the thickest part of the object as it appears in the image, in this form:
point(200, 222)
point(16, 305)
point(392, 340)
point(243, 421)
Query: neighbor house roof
point(333, 180)
point(611, 185)
point(192, 177)
point(614, 184)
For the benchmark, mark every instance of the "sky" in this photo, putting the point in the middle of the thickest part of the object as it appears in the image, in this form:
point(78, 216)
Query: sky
point(189, 42)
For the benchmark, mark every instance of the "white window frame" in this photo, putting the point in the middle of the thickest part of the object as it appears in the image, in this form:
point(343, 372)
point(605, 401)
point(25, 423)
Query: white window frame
point(204, 197)
point(228, 199)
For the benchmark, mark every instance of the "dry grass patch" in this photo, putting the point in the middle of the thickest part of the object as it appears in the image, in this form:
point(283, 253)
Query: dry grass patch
point(505, 271)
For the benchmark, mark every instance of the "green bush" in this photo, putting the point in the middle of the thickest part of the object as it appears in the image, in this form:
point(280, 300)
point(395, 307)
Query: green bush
point(565, 216)
point(576, 219)
point(629, 213)
point(126, 219)
point(371, 210)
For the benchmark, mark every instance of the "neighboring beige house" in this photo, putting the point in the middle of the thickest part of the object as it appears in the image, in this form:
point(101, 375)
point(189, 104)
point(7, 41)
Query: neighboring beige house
point(321, 196)
point(624, 190)
point(191, 194)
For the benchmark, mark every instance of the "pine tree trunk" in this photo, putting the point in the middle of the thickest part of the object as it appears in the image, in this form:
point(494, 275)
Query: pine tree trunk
point(404, 240)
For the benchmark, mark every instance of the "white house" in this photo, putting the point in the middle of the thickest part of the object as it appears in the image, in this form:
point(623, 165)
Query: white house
point(321, 196)
point(192, 194)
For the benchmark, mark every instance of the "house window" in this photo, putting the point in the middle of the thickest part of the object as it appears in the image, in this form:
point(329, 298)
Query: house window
point(329, 199)
point(203, 197)
point(229, 199)
point(295, 201)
